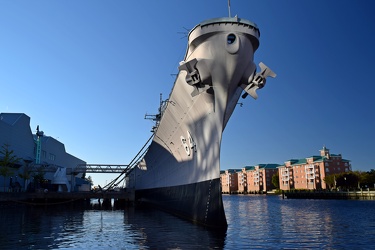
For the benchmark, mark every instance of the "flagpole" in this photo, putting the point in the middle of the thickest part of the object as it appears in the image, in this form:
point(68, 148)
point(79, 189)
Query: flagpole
point(229, 7)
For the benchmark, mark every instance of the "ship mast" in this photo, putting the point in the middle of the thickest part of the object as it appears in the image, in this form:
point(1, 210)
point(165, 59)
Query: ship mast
point(229, 8)
point(156, 118)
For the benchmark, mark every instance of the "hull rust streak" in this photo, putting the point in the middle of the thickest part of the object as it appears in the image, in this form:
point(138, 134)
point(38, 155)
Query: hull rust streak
point(180, 172)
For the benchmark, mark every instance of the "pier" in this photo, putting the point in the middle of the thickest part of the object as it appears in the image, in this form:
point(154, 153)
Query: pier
point(45, 196)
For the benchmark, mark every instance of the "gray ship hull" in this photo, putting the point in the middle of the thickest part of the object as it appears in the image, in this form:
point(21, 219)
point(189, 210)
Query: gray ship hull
point(198, 202)
point(180, 172)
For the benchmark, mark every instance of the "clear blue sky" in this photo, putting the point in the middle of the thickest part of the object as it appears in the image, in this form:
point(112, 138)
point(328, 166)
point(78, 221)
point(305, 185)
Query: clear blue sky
point(88, 71)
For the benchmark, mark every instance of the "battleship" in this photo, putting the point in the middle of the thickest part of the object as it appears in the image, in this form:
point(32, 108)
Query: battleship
point(180, 169)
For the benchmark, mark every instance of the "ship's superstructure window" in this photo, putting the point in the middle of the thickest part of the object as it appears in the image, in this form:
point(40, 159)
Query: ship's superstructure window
point(231, 38)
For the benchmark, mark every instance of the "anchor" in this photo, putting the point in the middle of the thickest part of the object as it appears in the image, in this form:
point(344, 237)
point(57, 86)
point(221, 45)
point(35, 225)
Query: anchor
point(258, 81)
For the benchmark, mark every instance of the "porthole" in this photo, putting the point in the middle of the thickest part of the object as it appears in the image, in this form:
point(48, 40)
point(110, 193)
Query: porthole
point(231, 38)
point(233, 43)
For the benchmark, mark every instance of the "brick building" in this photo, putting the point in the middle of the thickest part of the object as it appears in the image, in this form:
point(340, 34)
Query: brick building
point(229, 180)
point(309, 172)
point(249, 179)
point(259, 177)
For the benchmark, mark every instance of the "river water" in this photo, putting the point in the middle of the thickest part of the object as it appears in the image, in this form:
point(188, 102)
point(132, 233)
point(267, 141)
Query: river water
point(265, 222)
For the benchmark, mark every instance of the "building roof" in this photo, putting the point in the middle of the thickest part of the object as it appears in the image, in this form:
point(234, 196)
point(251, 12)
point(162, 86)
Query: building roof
point(292, 160)
point(269, 165)
point(298, 161)
point(233, 170)
point(317, 158)
point(249, 168)
point(262, 166)
point(295, 162)
point(11, 118)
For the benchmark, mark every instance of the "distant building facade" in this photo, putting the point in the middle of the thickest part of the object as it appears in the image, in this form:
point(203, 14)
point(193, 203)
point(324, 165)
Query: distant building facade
point(249, 179)
point(229, 180)
point(16, 134)
point(305, 173)
point(259, 177)
point(309, 172)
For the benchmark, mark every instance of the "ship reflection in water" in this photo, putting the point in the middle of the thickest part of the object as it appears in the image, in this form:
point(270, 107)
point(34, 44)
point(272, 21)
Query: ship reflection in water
point(253, 222)
point(160, 230)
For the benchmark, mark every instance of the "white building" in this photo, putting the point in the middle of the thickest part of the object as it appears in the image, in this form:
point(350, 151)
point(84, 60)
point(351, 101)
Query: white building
point(16, 135)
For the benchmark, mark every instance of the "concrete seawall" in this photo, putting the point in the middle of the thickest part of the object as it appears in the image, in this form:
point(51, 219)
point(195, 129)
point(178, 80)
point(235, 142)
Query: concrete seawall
point(343, 195)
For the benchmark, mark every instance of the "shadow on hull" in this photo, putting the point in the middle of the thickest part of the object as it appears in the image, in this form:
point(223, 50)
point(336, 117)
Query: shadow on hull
point(200, 202)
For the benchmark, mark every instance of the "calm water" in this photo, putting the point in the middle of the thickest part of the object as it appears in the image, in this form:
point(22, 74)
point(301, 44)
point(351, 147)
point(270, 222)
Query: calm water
point(265, 222)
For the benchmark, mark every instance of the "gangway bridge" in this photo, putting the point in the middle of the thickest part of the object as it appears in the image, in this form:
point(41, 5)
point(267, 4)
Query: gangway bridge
point(85, 168)
point(101, 168)
point(122, 170)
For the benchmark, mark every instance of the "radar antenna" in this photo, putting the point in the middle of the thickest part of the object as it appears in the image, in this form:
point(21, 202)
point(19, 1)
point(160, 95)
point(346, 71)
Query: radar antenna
point(156, 118)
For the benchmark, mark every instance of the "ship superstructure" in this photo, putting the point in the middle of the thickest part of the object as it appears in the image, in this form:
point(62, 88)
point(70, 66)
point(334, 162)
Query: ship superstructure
point(180, 172)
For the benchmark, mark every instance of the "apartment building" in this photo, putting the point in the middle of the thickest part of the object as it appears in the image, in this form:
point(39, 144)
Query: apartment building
point(259, 177)
point(249, 179)
point(229, 180)
point(309, 172)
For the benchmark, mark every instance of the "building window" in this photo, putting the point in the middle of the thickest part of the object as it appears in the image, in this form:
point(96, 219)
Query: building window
point(52, 157)
point(326, 164)
point(327, 170)
point(44, 154)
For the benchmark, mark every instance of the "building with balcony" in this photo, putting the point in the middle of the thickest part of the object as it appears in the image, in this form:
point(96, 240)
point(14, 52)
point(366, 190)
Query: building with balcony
point(249, 179)
point(309, 172)
point(259, 177)
point(242, 181)
point(229, 180)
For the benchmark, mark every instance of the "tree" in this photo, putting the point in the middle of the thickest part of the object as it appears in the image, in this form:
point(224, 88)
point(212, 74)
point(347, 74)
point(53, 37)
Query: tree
point(347, 180)
point(7, 162)
point(371, 178)
point(39, 176)
point(367, 179)
point(330, 180)
point(26, 172)
point(275, 180)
